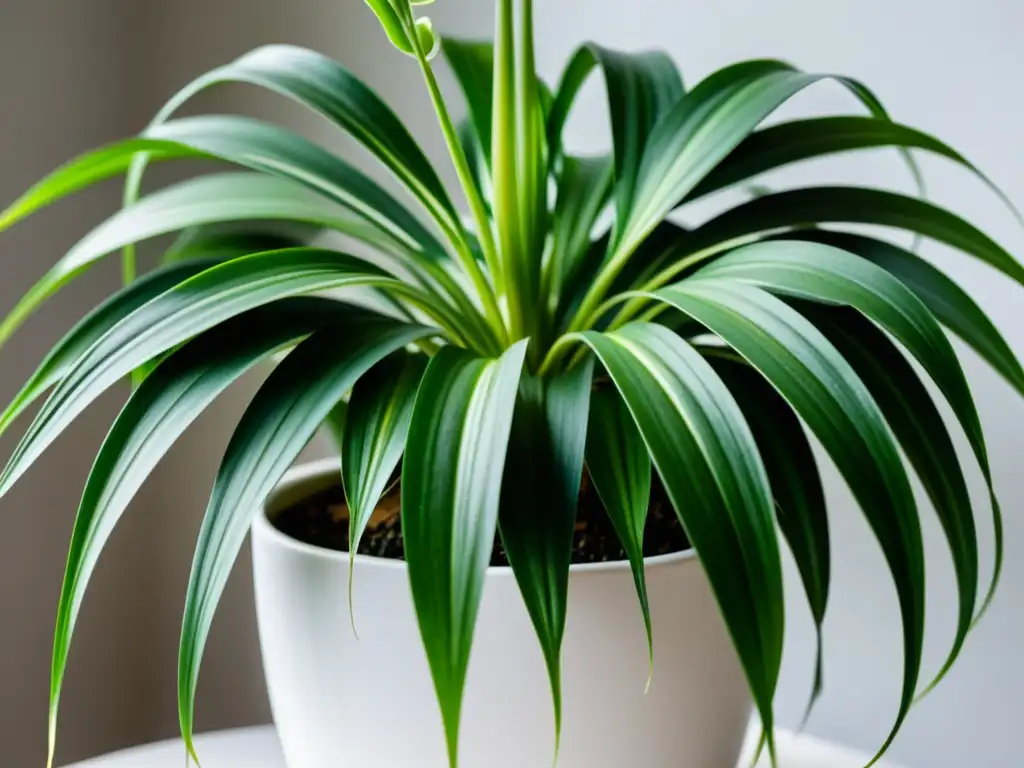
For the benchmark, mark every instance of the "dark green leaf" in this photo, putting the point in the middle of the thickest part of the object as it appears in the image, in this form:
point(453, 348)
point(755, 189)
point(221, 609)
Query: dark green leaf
point(472, 62)
point(276, 426)
point(791, 142)
point(451, 486)
point(277, 151)
point(850, 205)
point(918, 426)
point(91, 328)
point(826, 392)
point(947, 301)
point(641, 88)
point(324, 86)
point(709, 465)
point(208, 199)
point(584, 188)
point(795, 482)
point(708, 124)
point(539, 494)
point(157, 413)
point(174, 317)
point(620, 469)
point(373, 439)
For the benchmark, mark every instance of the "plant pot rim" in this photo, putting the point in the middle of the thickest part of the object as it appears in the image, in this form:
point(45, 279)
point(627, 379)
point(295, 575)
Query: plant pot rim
point(325, 469)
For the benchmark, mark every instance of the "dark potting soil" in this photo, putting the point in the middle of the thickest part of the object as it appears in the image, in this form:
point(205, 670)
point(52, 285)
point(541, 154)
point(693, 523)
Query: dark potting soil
point(322, 520)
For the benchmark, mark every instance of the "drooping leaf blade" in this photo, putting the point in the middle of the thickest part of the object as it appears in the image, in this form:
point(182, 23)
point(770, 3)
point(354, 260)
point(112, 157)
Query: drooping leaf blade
point(539, 494)
point(451, 486)
point(157, 413)
point(799, 140)
point(376, 423)
point(277, 425)
point(620, 469)
point(850, 205)
point(174, 317)
point(205, 200)
point(326, 87)
point(825, 391)
point(950, 303)
point(268, 148)
point(796, 487)
point(708, 462)
point(823, 273)
point(708, 124)
point(641, 88)
point(61, 358)
point(918, 426)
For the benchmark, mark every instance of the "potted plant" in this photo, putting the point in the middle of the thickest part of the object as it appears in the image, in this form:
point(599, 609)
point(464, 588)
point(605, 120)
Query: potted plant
point(545, 410)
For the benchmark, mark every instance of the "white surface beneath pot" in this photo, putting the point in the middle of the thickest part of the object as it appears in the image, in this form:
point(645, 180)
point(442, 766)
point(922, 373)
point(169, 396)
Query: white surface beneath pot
point(259, 748)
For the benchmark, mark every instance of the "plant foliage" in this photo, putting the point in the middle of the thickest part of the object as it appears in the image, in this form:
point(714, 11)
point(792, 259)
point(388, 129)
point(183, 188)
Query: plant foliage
point(565, 321)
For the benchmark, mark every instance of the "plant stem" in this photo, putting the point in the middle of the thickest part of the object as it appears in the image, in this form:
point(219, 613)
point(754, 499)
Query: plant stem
point(504, 166)
point(476, 204)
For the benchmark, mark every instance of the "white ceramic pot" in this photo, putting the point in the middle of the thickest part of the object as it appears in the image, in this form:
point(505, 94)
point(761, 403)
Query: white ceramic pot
point(343, 702)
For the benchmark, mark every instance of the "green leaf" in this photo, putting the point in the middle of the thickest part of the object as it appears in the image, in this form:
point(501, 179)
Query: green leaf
point(62, 357)
point(376, 424)
point(919, 428)
point(277, 425)
point(822, 273)
point(791, 142)
point(537, 517)
point(451, 486)
point(714, 477)
point(584, 188)
point(88, 169)
point(157, 413)
point(819, 272)
point(472, 62)
point(827, 394)
point(796, 486)
point(224, 242)
point(850, 205)
point(708, 124)
point(620, 469)
point(323, 85)
point(174, 317)
point(947, 301)
point(641, 89)
point(270, 149)
point(206, 200)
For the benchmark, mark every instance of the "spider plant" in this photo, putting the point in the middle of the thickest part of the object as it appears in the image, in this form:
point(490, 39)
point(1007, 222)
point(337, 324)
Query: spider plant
point(566, 320)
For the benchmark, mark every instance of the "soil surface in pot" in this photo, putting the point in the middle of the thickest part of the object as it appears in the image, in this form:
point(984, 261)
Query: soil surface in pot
point(322, 520)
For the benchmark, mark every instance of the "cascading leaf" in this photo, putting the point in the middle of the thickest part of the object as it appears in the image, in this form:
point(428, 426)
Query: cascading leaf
point(795, 483)
point(641, 89)
point(63, 356)
point(539, 493)
point(825, 391)
point(277, 425)
point(620, 469)
point(921, 432)
point(205, 200)
point(950, 303)
point(451, 487)
point(194, 306)
point(323, 85)
point(708, 462)
point(372, 439)
point(156, 415)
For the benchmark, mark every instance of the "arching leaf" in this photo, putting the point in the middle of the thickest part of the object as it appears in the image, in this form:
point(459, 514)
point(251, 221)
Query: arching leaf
point(451, 487)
